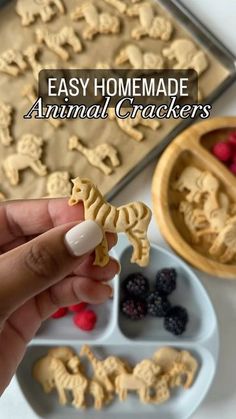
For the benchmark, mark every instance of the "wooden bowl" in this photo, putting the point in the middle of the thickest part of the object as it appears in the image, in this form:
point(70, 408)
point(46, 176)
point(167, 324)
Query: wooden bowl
point(192, 147)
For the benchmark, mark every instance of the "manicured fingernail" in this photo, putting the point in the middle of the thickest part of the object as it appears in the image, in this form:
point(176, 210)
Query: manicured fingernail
point(83, 238)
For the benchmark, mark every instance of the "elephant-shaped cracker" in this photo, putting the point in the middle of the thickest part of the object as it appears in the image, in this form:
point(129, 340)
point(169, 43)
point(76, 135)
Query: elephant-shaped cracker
point(170, 361)
point(5, 124)
point(29, 151)
point(56, 41)
point(139, 60)
point(187, 56)
point(97, 23)
point(97, 155)
point(12, 62)
point(141, 380)
point(31, 54)
point(28, 10)
point(156, 27)
point(132, 219)
point(130, 125)
point(58, 184)
point(197, 183)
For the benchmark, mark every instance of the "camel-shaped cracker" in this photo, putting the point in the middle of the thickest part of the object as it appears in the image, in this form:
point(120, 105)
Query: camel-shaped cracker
point(29, 151)
point(129, 125)
point(97, 23)
point(31, 54)
point(58, 184)
point(12, 62)
point(132, 219)
point(156, 27)
point(141, 380)
point(97, 155)
point(5, 123)
point(29, 92)
point(139, 60)
point(187, 56)
point(197, 183)
point(224, 245)
point(56, 41)
point(105, 371)
point(170, 360)
point(28, 10)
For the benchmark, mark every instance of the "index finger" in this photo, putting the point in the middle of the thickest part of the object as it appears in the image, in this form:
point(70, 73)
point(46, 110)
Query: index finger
point(33, 217)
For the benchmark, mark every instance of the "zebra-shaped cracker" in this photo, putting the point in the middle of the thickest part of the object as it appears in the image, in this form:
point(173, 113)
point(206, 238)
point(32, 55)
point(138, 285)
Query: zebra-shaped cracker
point(132, 219)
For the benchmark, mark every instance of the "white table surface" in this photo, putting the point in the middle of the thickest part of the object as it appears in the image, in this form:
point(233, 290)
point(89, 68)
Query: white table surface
point(220, 17)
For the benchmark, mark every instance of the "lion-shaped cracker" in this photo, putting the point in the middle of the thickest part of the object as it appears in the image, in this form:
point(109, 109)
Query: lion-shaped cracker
point(58, 184)
point(5, 123)
point(12, 62)
point(141, 380)
point(56, 41)
point(97, 155)
point(28, 10)
point(97, 23)
point(29, 151)
point(187, 56)
point(156, 27)
point(132, 219)
point(130, 125)
point(139, 60)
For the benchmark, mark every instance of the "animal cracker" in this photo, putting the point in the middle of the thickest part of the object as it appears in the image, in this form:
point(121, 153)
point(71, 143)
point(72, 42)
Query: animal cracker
point(139, 60)
point(5, 124)
point(29, 10)
point(97, 155)
point(12, 62)
point(58, 185)
point(132, 219)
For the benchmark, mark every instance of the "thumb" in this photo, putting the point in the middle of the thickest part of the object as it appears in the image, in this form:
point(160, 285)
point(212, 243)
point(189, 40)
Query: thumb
point(31, 268)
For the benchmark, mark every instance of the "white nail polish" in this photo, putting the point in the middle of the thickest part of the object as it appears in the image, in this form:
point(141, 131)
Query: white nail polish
point(83, 238)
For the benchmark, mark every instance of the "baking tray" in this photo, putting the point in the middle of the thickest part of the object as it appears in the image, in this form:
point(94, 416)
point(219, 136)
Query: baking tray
point(134, 341)
point(202, 36)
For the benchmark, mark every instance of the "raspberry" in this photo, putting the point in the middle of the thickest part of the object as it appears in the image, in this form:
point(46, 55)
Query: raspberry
point(222, 151)
point(232, 138)
point(61, 312)
point(135, 309)
point(166, 281)
point(232, 167)
point(77, 308)
point(136, 285)
point(86, 320)
point(176, 320)
point(157, 304)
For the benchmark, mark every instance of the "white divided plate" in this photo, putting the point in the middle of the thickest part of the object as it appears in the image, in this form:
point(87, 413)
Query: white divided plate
point(134, 341)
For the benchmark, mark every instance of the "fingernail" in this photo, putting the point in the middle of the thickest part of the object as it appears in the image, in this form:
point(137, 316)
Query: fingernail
point(83, 238)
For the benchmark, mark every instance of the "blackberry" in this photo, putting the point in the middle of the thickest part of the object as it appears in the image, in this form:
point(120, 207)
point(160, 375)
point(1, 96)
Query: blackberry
point(135, 309)
point(136, 285)
point(166, 280)
point(157, 304)
point(176, 320)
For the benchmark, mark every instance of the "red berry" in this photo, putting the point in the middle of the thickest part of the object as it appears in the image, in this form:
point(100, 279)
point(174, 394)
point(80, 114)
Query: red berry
point(222, 151)
point(61, 312)
point(77, 308)
point(234, 158)
point(232, 168)
point(85, 320)
point(232, 138)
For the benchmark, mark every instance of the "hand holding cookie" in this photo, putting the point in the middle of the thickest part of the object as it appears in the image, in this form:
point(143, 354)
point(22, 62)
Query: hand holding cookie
point(46, 262)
